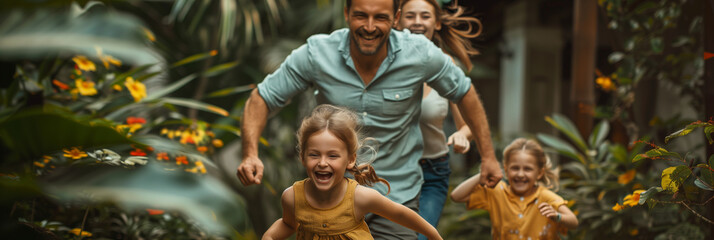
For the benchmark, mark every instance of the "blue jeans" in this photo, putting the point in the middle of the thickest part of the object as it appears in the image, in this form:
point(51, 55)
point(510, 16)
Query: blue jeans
point(434, 190)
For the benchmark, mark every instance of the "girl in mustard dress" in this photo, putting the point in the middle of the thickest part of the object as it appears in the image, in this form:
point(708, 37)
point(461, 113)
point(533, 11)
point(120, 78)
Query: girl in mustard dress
point(327, 205)
point(524, 208)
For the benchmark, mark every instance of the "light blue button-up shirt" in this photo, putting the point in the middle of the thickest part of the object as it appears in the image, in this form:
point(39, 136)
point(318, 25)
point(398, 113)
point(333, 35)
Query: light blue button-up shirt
point(389, 106)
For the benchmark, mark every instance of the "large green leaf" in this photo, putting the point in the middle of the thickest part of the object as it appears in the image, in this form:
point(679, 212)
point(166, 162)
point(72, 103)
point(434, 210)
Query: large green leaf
point(567, 127)
point(561, 146)
point(32, 134)
point(200, 197)
point(649, 194)
point(599, 133)
point(169, 89)
point(37, 34)
point(230, 91)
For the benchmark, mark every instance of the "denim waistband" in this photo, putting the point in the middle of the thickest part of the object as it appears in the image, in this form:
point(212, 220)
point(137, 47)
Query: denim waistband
point(434, 160)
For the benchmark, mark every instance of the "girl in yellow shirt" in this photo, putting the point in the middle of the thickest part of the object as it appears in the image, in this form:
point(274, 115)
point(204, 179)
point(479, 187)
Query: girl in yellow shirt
point(524, 208)
point(327, 205)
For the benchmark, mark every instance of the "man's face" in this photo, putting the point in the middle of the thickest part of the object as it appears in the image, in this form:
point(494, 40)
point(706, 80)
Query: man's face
point(370, 22)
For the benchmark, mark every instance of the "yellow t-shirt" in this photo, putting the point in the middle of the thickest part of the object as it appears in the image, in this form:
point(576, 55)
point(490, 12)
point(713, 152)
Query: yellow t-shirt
point(516, 217)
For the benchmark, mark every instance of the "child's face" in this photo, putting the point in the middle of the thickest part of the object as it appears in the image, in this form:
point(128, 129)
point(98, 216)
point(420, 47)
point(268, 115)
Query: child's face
point(523, 173)
point(326, 160)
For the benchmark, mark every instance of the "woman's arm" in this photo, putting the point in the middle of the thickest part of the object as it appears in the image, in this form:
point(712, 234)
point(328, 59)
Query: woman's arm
point(567, 217)
point(461, 139)
point(284, 227)
point(463, 190)
point(369, 200)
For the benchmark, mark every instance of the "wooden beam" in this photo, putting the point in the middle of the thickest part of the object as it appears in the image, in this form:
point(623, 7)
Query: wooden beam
point(582, 95)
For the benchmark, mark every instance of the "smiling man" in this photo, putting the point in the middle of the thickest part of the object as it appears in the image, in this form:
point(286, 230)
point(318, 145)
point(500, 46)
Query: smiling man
point(379, 73)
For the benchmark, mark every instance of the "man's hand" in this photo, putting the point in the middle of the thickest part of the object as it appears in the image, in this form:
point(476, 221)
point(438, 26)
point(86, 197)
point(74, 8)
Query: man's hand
point(460, 142)
point(250, 171)
point(490, 173)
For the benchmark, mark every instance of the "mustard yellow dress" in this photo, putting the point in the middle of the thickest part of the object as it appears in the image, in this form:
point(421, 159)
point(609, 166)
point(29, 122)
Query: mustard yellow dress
point(336, 223)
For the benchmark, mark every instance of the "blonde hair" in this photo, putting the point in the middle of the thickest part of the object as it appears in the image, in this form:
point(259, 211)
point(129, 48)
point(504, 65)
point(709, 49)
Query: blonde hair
point(531, 147)
point(343, 124)
point(457, 40)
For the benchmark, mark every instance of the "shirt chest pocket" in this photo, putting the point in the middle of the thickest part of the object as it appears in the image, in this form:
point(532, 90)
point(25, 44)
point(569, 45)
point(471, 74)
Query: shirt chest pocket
point(397, 101)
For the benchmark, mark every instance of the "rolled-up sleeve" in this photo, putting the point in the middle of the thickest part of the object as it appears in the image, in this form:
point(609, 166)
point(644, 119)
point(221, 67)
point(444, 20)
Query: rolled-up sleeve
point(291, 78)
point(446, 78)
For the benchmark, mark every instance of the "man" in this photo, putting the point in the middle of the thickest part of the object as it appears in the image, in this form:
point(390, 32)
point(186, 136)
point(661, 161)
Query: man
point(379, 73)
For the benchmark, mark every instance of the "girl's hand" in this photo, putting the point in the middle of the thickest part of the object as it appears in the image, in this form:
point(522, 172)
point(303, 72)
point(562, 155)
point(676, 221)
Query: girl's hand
point(548, 211)
point(460, 142)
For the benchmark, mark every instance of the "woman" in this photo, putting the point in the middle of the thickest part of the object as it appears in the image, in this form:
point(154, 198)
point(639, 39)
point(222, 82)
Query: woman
point(426, 17)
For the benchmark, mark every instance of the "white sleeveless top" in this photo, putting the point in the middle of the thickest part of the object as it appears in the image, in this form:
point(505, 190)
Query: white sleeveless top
point(433, 112)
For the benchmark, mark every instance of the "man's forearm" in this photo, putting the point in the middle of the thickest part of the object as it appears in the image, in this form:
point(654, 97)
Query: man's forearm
point(474, 115)
point(255, 115)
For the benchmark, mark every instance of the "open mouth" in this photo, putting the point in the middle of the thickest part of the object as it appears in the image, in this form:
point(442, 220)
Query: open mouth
point(417, 31)
point(323, 176)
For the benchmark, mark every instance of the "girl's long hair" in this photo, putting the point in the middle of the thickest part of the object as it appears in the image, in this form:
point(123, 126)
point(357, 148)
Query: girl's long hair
point(456, 30)
point(344, 125)
point(531, 147)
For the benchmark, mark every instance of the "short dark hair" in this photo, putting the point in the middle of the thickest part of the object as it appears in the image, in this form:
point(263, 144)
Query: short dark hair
point(395, 5)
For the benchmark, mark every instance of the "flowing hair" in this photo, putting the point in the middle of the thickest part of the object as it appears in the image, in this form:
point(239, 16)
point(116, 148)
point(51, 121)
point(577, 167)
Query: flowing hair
point(456, 30)
point(343, 124)
point(531, 147)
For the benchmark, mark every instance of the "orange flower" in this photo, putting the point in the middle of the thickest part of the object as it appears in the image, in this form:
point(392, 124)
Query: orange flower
point(605, 83)
point(79, 232)
point(181, 160)
point(155, 211)
point(117, 87)
point(202, 149)
point(84, 63)
point(213, 52)
point(618, 207)
point(633, 199)
point(38, 164)
point(60, 85)
point(162, 156)
point(217, 143)
point(74, 153)
point(626, 177)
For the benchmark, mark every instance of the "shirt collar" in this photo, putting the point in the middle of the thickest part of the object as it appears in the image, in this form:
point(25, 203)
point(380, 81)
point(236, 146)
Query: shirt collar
point(525, 199)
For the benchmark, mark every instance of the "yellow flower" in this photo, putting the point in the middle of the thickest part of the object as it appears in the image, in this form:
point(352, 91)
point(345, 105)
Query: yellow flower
point(76, 231)
point(74, 153)
point(626, 177)
point(86, 88)
point(117, 87)
point(633, 199)
point(605, 83)
point(84, 63)
point(217, 143)
point(149, 35)
point(617, 207)
point(136, 88)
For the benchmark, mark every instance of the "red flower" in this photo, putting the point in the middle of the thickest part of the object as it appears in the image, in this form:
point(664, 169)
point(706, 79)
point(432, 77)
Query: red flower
point(181, 160)
point(162, 156)
point(138, 152)
point(133, 120)
point(155, 211)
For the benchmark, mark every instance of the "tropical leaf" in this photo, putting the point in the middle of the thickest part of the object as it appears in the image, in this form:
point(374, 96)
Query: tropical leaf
point(672, 177)
point(193, 58)
point(205, 200)
point(36, 35)
point(32, 134)
point(599, 134)
point(190, 103)
point(561, 146)
point(221, 68)
point(169, 89)
point(228, 20)
point(231, 90)
point(708, 133)
point(567, 127)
